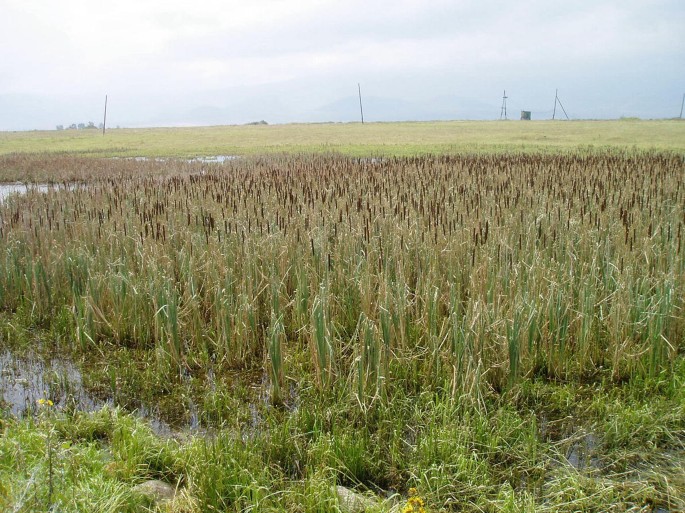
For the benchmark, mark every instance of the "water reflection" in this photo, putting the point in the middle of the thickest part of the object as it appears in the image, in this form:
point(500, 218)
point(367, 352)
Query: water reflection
point(26, 379)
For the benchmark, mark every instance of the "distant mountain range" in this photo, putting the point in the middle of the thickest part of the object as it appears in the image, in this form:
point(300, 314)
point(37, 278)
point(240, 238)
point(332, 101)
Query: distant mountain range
point(346, 109)
point(27, 112)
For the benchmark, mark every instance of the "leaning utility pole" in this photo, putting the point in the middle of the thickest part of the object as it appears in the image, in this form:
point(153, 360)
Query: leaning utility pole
point(361, 109)
point(681, 107)
point(104, 120)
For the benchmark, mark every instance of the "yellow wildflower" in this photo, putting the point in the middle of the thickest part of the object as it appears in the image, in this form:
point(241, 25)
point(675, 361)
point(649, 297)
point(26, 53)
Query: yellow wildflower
point(45, 402)
point(414, 503)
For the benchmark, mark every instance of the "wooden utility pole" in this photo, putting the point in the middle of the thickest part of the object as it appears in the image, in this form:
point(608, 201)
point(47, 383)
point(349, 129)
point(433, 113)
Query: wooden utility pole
point(681, 107)
point(104, 120)
point(361, 109)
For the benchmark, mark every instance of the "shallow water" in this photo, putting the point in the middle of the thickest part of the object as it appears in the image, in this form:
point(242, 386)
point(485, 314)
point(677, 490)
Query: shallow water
point(26, 379)
point(581, 454)
point(217, 159)
point(8, 189)
point(580, 444)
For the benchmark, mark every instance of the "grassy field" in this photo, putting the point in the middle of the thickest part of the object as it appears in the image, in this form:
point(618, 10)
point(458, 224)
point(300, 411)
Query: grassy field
point(356, 139)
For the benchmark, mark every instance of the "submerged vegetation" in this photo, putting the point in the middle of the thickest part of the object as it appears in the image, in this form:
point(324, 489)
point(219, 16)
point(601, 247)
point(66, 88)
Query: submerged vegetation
point(501, 332)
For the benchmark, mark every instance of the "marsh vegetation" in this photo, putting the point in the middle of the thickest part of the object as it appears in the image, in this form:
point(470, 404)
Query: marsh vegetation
point(503, 332)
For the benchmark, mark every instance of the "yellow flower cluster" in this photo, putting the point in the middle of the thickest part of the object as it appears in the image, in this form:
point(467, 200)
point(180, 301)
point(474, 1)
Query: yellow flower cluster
point(414, 504)
point(45, 402)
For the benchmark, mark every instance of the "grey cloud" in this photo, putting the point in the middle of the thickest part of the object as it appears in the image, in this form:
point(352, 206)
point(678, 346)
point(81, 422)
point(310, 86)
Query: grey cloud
point(428, 60)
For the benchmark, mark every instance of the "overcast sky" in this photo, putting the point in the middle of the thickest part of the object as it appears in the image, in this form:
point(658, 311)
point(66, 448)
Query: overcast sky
point(223, 62)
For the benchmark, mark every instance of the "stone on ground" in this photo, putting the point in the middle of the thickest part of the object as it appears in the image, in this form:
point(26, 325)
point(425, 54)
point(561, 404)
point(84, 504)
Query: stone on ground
point(353, 502)
point(156, 490)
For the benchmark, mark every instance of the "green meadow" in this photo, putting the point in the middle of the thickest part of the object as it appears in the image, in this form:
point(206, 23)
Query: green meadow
point(438, 317)
point(406, 139)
